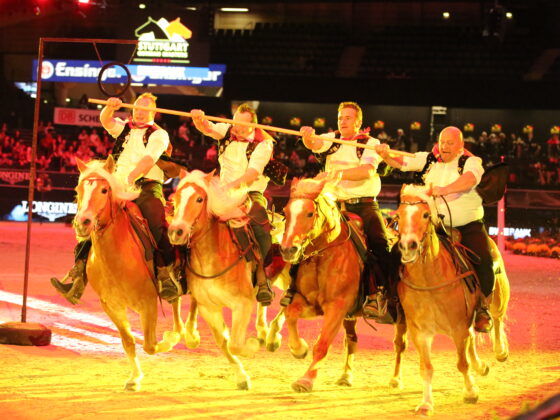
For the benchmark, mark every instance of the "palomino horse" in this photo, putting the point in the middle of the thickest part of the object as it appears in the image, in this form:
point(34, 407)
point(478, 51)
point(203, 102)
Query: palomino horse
point(116, 267)
point(328, 277)
point(436, 300)
point(218, 274)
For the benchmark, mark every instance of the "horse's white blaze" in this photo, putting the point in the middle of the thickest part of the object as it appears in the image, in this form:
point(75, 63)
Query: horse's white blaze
point(89, 187)
point(409, 212)
point(186, 193)
point(295, 208)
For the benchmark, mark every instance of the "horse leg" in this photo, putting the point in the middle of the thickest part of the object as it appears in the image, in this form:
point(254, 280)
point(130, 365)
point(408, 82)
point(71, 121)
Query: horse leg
point(274, 338)
point(423, 344)
point(298, 346)
point(192, 336)
point(148, 318)
point(118, 316)
point(400, 344)
point(261, 324)
point(476, 362)
point(332, 320)
point(215, 319)
point(350, 348)
point(240, 318)
point(498, 306)
point(464, 345)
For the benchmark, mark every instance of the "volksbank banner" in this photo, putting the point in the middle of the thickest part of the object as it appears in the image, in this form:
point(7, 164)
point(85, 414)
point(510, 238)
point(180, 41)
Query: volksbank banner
point(87, 72)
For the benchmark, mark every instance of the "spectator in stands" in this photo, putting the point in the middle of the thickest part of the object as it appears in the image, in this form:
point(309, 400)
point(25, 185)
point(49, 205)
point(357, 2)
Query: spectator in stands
point(401, 141)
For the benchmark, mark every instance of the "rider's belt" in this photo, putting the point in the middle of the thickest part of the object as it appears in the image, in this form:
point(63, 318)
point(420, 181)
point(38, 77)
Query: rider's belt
point(359, 200)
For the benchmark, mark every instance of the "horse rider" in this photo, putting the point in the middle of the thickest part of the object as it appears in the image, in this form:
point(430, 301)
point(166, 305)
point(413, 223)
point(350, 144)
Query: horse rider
point(237, 167)
point(441, 169)
point(358, 184)
point(138, 146)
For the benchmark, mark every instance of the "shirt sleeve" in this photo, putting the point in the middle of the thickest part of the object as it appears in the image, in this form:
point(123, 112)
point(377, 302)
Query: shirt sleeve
point(117, 128)
point(220, 128)
point(370, 156)
point(474, 165)
point(416, 163)
point(326, 143)
point(261, 155)
point(157, 144)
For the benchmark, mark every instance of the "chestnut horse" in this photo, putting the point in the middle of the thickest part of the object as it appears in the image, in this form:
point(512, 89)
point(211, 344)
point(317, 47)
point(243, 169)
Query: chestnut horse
point(328, 276)
point(218, 274)
point(116, 267)
point(436, 300)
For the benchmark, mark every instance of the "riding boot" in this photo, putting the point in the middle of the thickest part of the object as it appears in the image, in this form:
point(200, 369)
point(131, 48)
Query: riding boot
point(483, 320)
point(375, 305)
point(74, 289)
point(292, 288)
point(169, 286)
point(265, 294)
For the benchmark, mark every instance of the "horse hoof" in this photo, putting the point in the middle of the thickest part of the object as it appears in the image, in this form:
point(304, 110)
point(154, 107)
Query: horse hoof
point(425, 410)
point(243, 386)
point(302, 385)
point(345, 380)
point(485, 371)
point(192, 341)
point(502, 357)
point(470, 399)
point(132, 386)
point(396, 383)
point(272, 347)
point(171, 337)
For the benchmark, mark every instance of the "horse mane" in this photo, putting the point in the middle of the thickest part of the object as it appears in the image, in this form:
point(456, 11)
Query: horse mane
point(119, 189)
point(421, 191)
point(221, 202)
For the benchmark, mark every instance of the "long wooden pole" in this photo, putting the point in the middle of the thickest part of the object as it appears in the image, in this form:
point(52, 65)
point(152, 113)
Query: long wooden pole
point(248, 124)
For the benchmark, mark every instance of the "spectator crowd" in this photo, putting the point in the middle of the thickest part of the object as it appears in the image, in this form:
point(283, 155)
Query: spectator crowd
point(534, 163)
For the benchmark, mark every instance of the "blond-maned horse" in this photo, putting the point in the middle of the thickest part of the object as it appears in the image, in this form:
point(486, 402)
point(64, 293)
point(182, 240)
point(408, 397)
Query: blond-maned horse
point(116, 267)
point(218, 274)
point(436, 300)
point(328, 277)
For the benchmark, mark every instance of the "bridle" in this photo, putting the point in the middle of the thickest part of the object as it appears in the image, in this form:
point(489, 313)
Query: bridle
point(422, 241)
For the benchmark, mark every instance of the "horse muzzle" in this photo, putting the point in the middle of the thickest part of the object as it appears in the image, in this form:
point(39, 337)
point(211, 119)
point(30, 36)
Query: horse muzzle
point(179, 233)
point(83, 224)
point(291, 254)
point(410, 249)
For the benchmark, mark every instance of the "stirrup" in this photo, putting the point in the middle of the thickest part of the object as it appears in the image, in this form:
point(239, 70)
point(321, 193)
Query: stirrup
point(483, 322)
point(375, 306)
point(170, 288)
point(287, 298)
point(265, 294)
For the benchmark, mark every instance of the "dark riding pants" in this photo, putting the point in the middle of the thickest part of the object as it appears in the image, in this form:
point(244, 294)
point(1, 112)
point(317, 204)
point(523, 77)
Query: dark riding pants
point(377, 241)
point(258, 220)
point(475, 237)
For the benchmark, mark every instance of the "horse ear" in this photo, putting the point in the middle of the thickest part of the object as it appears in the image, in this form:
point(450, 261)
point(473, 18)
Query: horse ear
point(109, 164)
point(210, 175)
point(81, 164)
point(183, 173)
point(294, 183)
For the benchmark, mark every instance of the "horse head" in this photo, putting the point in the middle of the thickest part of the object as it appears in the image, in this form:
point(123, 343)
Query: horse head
point(302, 218)
point(190, 202)
point(416, 215)
point(98, 189)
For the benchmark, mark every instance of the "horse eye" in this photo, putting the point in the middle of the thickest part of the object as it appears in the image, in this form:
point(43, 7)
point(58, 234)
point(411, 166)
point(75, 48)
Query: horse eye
point(104, 190)
point(426, 215)
point(199, 199)
point(310, 214)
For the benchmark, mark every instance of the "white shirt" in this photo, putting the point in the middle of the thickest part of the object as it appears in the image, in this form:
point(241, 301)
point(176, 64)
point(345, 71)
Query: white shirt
point(345, 158)
point(134, 150)
point(466, 206)
point(233, 161)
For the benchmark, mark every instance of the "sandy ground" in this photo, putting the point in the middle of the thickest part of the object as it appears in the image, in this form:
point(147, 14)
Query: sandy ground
point(82, 373)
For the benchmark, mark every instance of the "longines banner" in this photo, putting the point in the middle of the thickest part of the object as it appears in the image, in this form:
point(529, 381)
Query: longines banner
point(87, 71)
point(81, 117)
